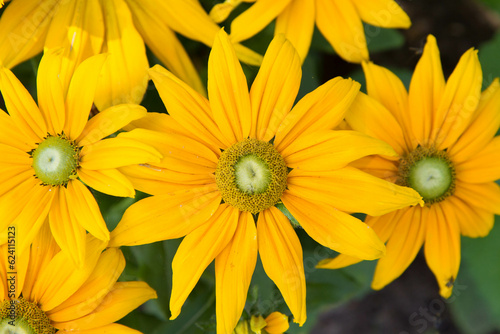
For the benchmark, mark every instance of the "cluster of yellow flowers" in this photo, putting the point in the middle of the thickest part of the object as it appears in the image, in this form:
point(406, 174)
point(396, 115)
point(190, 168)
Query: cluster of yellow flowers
point(420, 163)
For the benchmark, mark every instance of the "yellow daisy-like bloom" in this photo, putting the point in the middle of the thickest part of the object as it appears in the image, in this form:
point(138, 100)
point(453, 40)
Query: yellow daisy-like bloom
point(238, 147)
point(274, 323)
point(49, 295)
point(117, 27)
point(444, 133)
point(46, 151)
point(340, 21)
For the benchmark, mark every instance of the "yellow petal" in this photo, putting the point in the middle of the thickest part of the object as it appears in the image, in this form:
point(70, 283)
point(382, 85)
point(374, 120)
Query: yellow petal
point(22, 109)
point(111, 329)
point(482, 167)
point(475, 205)
point(77, 31)
point(67, 232)
point(85, 211)
point(296, 21)
point(156, 180)
point(108, 181)
point(94, 290)
point(43, 250)
point(442, 246)
point(256, 18)
point(50, 92)
point(197, 251)
point(351, 190)
point(403, 245)
point(81, 93)
point(185, 17)
point(34, 210)
point(187, 107)
point(378, 166)
point(275, 88)
point(10, 135)
point(109, 121)
point(277, 323)
point(382, 13)
point(459, 101)
point(124, 76)
point(121, 300)
point(482, 128)
point(24, 27)
point(382, 225)
point(163, 217)
point(322, 109)
point(335, 229)
point(234, 268)
point(60, 279)
point(154, 28)
point(368, 116)
point(116, 152)
point(479, 195)
point(341, 25)
point(281, 255)
point(330, 150)
point(180, 153)
point(426, 88)
point(228, 91)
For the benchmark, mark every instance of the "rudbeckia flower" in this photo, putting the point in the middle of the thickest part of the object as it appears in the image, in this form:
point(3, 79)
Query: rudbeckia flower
point(228, 161)
point(49, 152)
point(444, 134)
point(340, 22)
point(117, 27)
point(274, 323)
point(49, 295)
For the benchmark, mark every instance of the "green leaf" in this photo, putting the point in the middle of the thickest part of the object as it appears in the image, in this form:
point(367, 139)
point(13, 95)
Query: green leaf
point(476, 293)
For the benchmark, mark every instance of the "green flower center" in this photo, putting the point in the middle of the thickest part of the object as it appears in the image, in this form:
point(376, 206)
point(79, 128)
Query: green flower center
point(19, 316)
point(55, 160)
point(428, 171)
point(251, 175)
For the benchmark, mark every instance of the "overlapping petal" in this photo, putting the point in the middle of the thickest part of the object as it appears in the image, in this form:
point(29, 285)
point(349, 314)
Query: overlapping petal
point(281, 254)
point(296, 22)
point(194, 255)
point(163, 217)
point(124, 77)
point(382, 13)
point(426, 89)
point(335, 229)
point(234, 267)
point(341, 25)
point(322, 109)
point(274, 89)
point(228, 91)
point(442, 246)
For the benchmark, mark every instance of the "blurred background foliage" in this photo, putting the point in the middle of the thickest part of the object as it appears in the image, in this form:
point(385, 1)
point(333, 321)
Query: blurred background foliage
point(340, 301)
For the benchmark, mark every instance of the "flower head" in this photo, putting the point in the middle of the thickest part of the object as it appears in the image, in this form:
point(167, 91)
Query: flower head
point(120, 28)
point(49, 152)
point(48, 294)
point(228, 160)
point(444, 133)
point(340, 21)
point(274, 323)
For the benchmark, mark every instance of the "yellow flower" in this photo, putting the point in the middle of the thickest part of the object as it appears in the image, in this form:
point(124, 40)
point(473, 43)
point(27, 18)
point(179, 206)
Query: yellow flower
point(444, 133)
point(48, 294)
point(118, 27)
point(340, 21)
point(238, 147)
point(48, 152)
point(275, 323)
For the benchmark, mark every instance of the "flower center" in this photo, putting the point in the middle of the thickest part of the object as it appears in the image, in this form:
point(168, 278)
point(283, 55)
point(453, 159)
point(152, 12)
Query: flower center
point(428, 171)
point(19, 316)
point(55, 160)
point(251, 175)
